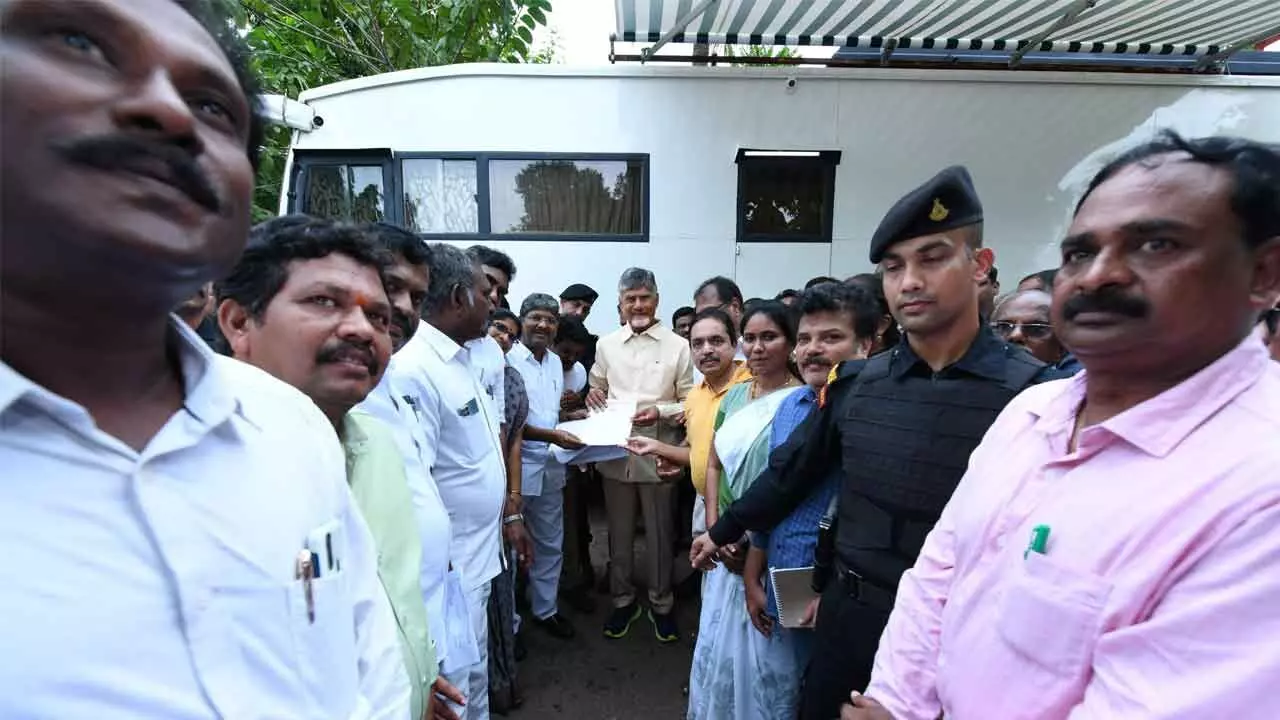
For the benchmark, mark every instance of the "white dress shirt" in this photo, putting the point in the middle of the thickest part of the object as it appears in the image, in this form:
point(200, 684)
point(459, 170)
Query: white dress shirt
point(434, 527)
point(489, 364)
point(161, 583)
point(575, 378)
point(460, 446)
point(544, 384)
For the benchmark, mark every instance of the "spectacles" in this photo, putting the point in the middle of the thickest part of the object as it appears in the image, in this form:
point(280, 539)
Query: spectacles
point(1033, 331)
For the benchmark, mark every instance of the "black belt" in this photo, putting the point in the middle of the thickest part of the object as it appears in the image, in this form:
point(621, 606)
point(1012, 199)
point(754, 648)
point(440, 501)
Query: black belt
point(862, 590)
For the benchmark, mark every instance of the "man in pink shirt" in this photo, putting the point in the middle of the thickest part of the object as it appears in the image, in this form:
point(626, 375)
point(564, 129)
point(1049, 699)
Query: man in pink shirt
point(1114, 549)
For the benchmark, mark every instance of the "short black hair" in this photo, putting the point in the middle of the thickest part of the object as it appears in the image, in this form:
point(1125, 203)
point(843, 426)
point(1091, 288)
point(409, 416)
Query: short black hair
point(819, 281)
point(494, 259)
point(264, 268)
point(720, 316)
point(1046, 277)
point(451, 268)
point(216, 18)
point(503, 314)
point(399, 241)
point(726, 289)
point(1254, 168)
point(572, 330)
point(993, 275)
point(788, 293)
point(856, 300)
point(685, 311)
point(873, 283)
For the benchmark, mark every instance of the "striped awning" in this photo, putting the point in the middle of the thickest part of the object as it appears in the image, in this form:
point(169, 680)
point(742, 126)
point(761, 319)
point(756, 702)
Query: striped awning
point(1167, 27)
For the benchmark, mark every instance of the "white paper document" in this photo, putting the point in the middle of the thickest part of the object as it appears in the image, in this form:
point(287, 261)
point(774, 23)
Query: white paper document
point(604, 432)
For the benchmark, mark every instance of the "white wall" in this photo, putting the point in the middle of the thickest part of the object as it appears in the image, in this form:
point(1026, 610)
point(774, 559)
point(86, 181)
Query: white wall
point(1030, 140)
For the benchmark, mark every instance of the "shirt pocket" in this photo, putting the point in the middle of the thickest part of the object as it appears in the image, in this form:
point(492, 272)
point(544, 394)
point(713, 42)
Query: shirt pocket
point(252, 666)
point(326, 646)
point(1052, 615)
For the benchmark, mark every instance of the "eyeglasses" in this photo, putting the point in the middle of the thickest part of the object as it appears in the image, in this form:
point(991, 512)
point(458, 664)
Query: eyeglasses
point(1033, 331)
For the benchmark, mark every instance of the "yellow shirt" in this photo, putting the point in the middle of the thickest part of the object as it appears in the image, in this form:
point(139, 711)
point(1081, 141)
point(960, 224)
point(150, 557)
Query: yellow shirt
point(700, 410)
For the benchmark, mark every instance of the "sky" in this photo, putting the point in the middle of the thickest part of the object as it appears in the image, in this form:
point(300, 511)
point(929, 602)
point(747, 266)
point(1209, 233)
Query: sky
point(581, 30)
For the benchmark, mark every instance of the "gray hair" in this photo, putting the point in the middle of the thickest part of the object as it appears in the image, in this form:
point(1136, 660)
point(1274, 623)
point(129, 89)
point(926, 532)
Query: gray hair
point(451, 268)
point(637, 279)
point(539, 301)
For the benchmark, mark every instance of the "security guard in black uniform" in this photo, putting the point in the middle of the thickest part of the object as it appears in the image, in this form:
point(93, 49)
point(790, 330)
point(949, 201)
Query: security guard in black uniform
point(902, 430)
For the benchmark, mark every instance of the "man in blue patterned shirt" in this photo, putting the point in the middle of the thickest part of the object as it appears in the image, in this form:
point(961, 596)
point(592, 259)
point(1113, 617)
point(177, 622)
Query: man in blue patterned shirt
point(838, 324)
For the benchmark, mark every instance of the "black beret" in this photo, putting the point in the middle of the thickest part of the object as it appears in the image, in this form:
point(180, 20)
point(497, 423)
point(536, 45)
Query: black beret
point(578, 291)
point(945, 202)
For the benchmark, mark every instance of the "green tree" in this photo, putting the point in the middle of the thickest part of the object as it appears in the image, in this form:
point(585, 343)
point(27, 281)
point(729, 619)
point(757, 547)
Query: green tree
point(757, 51)
point(301, 44)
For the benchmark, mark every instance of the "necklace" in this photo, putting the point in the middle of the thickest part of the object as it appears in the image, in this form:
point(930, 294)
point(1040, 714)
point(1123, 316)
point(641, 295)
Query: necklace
point(756, 391)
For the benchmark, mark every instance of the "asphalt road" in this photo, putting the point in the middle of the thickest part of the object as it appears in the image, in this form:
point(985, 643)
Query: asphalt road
point(594, 678)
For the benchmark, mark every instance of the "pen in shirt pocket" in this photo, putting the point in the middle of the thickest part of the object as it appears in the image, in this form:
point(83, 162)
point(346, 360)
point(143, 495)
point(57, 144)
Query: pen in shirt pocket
point(1039, 541)
point(305, 571)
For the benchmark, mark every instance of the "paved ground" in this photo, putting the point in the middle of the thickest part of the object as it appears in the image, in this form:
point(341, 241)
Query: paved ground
point(594, 678)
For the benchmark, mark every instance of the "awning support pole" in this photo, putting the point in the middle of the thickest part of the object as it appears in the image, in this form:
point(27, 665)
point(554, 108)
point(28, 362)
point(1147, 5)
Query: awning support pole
point(681, 23)
point(1224, 54)
point(886, 52)
point(1068, 17)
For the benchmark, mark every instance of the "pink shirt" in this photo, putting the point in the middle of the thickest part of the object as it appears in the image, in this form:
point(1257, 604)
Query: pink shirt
point(1158, 595)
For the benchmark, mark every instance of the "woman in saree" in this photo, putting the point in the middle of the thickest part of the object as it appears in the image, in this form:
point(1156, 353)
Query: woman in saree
point(738, 674)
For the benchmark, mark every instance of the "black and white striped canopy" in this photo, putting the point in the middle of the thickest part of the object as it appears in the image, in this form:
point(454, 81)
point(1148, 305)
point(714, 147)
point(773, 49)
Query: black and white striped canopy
point(1168, 27)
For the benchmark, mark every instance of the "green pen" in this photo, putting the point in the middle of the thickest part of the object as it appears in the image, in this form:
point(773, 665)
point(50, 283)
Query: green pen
point(1039, 540)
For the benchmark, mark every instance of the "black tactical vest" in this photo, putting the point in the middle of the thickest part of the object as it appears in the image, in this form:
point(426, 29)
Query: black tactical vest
point(906, 443)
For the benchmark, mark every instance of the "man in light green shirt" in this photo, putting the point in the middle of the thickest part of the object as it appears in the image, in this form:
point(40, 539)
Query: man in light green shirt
point(308, 304)
point(376, 475)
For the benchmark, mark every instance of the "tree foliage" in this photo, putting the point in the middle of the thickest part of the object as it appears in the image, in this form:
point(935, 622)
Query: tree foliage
point(301, 44)
point(757, 51)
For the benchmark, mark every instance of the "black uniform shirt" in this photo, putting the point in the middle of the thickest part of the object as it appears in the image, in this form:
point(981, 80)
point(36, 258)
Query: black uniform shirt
point(898, 429)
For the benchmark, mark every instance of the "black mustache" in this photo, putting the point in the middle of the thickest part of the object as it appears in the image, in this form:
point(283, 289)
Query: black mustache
point(136, 154)
point(1105, 301)
point(342, 350)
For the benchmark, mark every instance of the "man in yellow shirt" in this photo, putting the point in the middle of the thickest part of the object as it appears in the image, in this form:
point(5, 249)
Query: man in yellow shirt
point(713, 341)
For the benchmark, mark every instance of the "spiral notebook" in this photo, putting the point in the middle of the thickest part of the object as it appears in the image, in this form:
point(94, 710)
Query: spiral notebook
point(793, 588)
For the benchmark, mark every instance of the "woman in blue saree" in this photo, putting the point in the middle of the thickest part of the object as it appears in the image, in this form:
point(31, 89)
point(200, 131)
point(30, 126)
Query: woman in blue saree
point(738, 674)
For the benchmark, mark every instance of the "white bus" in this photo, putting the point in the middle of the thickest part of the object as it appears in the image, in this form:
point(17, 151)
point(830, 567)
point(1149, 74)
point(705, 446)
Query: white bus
point(768, 175)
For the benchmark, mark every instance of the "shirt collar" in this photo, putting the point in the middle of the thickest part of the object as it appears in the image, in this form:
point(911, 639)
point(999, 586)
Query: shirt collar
point(984, 358)
point(439, 343)
point(521, 353)
point(740, 373)
point(1159, 424)
point(209, 393)
point(656, 331)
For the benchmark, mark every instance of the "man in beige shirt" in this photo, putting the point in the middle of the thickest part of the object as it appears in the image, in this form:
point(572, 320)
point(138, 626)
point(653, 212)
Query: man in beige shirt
point(644, 362)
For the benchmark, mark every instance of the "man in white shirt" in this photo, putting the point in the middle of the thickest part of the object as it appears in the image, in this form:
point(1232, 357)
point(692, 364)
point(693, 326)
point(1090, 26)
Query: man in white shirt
point(179, 539)
point(460, 430)
point(407, 280)
point(542, 478)
point(487, 357)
